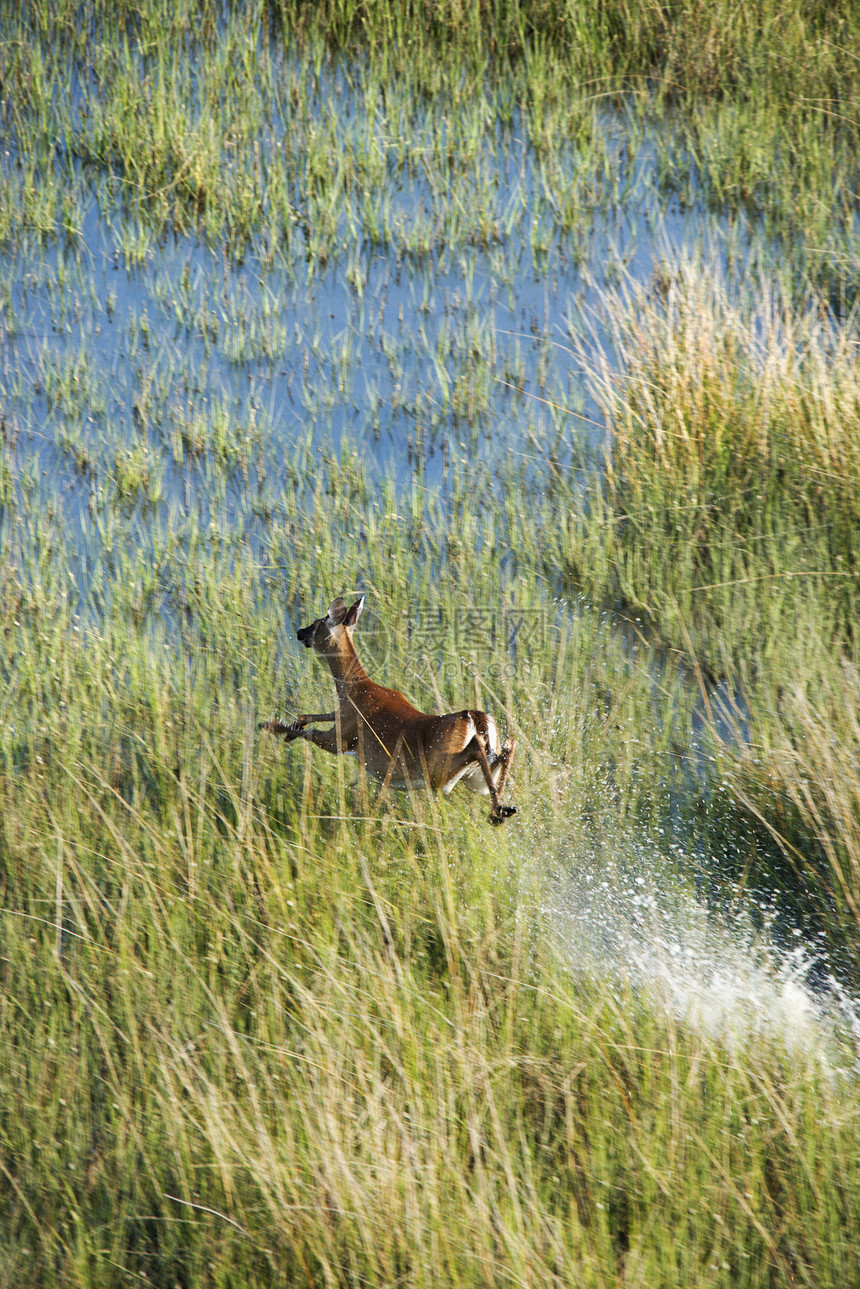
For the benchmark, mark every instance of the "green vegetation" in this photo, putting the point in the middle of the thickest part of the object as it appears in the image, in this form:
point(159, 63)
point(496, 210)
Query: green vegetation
point(231, 124)
point(728, 510)
point(258, 1026)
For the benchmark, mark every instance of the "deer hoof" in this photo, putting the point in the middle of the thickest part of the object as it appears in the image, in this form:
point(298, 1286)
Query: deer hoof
point(505, 812)
point(287, 731)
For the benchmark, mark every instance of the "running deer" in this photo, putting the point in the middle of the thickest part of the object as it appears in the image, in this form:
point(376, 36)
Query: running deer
point(395, 742)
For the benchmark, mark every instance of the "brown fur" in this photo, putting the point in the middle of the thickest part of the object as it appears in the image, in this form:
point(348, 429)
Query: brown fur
point(395, 742)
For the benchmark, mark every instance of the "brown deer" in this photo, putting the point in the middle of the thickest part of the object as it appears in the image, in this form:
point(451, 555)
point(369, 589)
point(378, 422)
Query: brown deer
point(395, 742)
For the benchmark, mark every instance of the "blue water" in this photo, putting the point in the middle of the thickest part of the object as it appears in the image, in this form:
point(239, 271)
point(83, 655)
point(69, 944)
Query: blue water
point(412, 361)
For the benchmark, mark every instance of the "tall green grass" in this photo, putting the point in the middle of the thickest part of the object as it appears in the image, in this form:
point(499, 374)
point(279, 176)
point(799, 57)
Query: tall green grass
point(258, 1027)
point(256, 1024)
point(726, 511)
point(732, 457)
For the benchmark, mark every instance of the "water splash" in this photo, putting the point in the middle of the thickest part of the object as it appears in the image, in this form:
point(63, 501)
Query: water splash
point(631, 920)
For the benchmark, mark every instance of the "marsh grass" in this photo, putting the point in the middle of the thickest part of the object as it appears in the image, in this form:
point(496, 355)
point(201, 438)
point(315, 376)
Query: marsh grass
point(232, 125)
point(257, 1024)
point(732, 456)
point(727, 514)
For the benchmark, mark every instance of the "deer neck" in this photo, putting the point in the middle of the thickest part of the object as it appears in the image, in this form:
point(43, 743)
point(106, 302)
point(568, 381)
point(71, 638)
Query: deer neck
point(347, 670)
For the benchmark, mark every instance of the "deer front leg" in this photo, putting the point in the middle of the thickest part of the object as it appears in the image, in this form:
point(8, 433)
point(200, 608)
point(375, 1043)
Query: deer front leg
point(326, 739)
point(295, 729)
point(392, 762)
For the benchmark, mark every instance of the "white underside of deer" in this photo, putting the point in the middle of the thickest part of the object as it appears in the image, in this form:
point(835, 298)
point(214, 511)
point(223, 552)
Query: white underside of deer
point(395, 742)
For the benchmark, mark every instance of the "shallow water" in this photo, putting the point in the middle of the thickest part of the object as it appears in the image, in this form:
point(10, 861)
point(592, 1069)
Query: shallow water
point(202, 373)
point(736, 974)
point(111, 343)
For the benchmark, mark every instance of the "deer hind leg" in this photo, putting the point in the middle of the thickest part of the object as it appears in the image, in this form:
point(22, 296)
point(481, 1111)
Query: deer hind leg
point(495, 776)
point(503, 763)
point(485, 764)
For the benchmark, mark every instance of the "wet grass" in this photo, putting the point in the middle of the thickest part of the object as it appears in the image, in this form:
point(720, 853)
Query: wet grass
point(256, 1025)
point(232, 124)
point(726, 513)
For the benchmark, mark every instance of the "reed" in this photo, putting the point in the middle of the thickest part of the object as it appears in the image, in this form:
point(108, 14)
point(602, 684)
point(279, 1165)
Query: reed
point(726, 514)
point(283, 1030)
point(256, 1024)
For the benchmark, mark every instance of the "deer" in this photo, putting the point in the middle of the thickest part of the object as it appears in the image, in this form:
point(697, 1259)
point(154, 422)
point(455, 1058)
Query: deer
point(397, 744)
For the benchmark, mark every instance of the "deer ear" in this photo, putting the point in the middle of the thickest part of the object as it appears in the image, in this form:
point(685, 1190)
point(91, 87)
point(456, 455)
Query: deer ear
point(354, 613)
point(336, 612)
